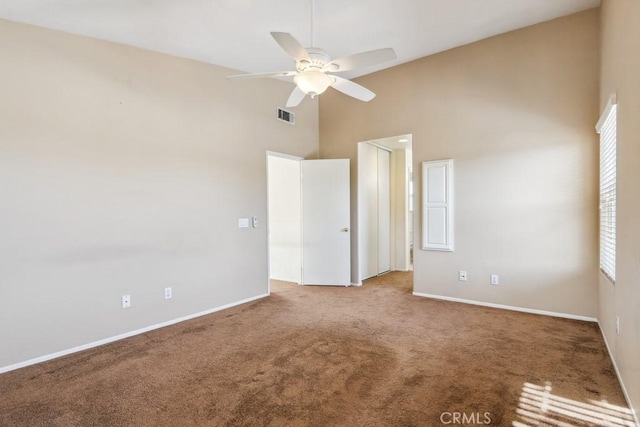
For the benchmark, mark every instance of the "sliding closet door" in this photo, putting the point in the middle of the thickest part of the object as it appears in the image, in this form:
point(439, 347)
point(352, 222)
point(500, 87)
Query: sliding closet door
point(374, 210)
point(368, 209)
point(384, 212)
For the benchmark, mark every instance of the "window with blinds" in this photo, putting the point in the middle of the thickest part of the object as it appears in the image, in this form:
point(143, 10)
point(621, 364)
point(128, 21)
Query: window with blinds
point(606, 127)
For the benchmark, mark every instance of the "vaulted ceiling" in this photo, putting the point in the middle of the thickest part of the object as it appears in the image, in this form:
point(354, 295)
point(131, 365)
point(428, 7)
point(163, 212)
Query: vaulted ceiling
point(235, 33)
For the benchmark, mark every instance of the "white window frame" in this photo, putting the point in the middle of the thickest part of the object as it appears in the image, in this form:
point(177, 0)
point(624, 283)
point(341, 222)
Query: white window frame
point(606, 127)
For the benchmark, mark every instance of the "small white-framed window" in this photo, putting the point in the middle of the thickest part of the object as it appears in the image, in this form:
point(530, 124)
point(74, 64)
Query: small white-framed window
point(606, 127)
point(437, 205)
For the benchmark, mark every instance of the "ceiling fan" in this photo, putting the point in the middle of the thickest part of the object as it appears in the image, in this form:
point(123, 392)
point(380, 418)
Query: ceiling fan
point(314, 68)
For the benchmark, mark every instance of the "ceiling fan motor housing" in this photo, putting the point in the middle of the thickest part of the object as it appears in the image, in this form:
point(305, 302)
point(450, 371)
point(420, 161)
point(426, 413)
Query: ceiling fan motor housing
point(318, 58)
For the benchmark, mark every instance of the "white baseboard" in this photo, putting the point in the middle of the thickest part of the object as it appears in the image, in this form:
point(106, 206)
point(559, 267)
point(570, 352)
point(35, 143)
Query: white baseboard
point(508, 307)
point(87, 346)
point(615, 367)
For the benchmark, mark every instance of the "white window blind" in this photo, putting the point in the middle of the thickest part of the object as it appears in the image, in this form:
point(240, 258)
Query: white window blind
point(606, 127)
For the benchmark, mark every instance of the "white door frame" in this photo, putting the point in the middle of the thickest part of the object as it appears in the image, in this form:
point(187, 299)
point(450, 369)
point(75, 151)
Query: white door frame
point(388, 144)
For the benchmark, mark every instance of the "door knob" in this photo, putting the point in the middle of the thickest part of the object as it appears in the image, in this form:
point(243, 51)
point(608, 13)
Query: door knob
point(345, 230)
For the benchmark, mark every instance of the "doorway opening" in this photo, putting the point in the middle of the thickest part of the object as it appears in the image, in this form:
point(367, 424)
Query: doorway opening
point(284, 218)
point(385, 206)
point(308, 204)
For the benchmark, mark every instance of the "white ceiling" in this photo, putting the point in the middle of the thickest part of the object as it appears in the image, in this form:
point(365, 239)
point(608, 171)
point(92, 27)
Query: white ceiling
point(235, 33)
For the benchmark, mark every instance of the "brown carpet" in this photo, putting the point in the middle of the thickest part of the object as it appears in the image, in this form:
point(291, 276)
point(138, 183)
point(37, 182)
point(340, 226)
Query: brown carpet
point(328, 356)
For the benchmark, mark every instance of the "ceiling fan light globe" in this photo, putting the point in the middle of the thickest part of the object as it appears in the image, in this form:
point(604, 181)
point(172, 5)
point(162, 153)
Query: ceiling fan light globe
point(313, 82)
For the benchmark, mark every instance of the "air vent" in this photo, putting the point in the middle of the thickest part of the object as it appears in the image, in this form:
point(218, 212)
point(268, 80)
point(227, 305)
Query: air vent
point(286, 116)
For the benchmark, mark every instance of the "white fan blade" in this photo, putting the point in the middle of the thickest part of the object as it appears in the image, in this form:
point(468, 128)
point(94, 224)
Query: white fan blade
point(290, 45)
point(263, 75)
point(361, 60)
point(352, 89)
point(295, 98)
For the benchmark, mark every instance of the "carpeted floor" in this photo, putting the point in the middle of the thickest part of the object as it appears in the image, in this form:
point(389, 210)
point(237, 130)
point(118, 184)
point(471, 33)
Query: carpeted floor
point(328, 356)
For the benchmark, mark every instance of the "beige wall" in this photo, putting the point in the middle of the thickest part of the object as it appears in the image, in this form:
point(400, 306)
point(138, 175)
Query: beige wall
point(516, 112)
point(620, 74)
point(124, 171)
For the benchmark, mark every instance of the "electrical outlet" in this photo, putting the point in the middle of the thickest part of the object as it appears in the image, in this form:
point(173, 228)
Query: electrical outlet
point(494, 279)
point(126, 301)
point(168, 293)
point(462, 276)
point(254, 221)
point(617, 325)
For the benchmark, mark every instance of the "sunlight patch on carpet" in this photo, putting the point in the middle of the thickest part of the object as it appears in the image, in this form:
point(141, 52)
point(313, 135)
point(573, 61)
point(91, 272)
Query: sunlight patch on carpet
point(539, 406)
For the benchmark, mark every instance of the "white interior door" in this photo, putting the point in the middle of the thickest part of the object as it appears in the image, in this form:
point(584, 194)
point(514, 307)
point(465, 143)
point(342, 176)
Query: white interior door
point(326, 236)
